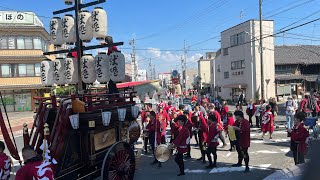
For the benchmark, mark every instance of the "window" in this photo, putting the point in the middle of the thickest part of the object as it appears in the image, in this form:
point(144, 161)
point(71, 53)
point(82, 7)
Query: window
point(28, 43)
point(22, 70)
point(219, 89)
point(14, 70)
point(3, 42)
point(20, 42)
point(11, 42)
point(237, 39)
point(30, 69)
point(37, 69)
point(37, 43)
point(225, 51)
point(226, 75)
point(238, 65)
point(5, 70)
point(218, 69)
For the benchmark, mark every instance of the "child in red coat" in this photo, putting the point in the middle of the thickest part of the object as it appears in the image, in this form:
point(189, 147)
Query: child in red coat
point(298, 135)
point(212, 141)
point(267, 122)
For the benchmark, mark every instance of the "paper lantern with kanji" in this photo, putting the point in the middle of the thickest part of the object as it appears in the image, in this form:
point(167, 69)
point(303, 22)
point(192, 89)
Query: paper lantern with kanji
point(46, 68)
point(58, 70)
point(88, 73)
point(56, 31)
point(68, 2)
point(85, 26)
point(68, 29)
point(117, 66)
point(102, 67)
point(71, 71)
point(99, 23)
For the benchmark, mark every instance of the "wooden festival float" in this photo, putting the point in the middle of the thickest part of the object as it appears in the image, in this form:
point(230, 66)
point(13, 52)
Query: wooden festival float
point(85, 135)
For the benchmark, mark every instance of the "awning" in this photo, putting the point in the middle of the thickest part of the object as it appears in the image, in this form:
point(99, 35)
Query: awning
point(235, 86)
point(23, 86)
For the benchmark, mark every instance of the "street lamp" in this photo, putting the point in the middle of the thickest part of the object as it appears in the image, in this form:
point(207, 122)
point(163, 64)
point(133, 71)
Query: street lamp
point(261, 65)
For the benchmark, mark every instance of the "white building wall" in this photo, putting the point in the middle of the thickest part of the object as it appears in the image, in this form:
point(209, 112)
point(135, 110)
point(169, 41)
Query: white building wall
point(249, 77)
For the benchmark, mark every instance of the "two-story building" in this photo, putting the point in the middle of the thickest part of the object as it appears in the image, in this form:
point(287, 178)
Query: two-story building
point(237, 66)
point(23, 39)
point(297, 69)
point(204, 72)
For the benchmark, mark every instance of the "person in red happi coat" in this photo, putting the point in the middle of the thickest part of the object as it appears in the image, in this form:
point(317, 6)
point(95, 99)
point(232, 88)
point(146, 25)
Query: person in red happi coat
point(194, 98)
point(5, 163)
point(175, 126)
point(164, 113)
point(267, 122)
point(189, 124)
point(202, 130)
point(230, 122)
point(212, 140)
point(224, 112)
point(154, 134)
point(298, 135)
point(242, 128)
point(181, 143)
point(216, 114)
point(34, 166)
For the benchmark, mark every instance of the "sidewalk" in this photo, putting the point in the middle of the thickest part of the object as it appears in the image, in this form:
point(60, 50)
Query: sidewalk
point(17, 119)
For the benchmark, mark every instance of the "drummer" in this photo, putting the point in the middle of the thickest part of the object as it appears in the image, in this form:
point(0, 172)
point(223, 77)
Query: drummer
point(154, 133)
point(182, 142)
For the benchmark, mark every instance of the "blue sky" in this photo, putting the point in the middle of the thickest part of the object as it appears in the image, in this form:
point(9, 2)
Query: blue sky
point(163, 25)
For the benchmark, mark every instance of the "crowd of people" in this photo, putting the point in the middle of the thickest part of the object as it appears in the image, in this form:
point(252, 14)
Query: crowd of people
point(210, 123)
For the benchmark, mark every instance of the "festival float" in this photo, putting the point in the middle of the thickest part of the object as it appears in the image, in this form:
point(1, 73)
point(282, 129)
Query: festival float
point(85, 135)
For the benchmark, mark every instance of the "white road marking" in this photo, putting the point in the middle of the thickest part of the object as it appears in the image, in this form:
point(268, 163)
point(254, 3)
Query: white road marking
point(267, 152)
point(233, 169)
point(195, 171)
point(285, 150)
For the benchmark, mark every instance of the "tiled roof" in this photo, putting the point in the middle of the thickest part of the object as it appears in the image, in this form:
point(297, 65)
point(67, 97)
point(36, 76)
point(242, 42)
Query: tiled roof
point(310, 78)
point(302, 54)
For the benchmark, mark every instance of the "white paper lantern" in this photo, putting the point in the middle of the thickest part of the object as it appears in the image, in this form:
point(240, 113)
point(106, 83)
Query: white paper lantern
point(56, 31)
point(68, 27)
point(102, 67)
point(99, 23)
point(58, 71)
point(68, 2)
point(117, 66)
point(122, 114)
point(85, 26)
point(46, 69)
point(74, 120)
point(106, 116)
point(88, 73)
point(135, 111)
point(71, 70)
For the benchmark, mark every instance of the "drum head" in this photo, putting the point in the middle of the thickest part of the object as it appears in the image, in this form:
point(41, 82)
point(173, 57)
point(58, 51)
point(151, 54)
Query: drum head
point(162, 153)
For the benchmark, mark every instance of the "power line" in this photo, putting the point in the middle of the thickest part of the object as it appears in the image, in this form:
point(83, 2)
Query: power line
point(188, 20)
point(301, 19)
point(288, 9)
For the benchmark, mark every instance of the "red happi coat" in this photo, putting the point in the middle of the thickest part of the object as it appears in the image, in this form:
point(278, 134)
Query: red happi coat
point(244, 134)
point(183, 140)
point(194, 99)
point(230, 122)
point(156, 127)
point(203, 128)
point(213, 135)
point(5, 166)
point(36, 170)
point(218, 117)
point(175, 128)
point(267, 122)
point(224, 111)
point(299, 135)
point(165, 115)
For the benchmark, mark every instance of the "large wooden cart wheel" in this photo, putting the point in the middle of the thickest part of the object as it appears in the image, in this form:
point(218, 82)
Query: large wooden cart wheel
point(119, 163)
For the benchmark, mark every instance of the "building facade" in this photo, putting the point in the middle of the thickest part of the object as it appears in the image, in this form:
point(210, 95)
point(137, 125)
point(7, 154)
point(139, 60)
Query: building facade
point(237, 66)
point(297, 69)
point(165, 79)
point(22, 43)
point(204, 71)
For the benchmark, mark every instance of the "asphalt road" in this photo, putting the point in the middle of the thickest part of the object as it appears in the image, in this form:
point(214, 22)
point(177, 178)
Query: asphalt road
point(265, 158)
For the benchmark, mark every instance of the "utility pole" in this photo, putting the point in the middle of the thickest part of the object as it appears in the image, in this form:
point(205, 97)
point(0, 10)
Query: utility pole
point(184, 66)
point(133, 58)
point(154, 72)
point(150, 70)
point(261, 51)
